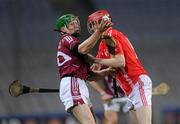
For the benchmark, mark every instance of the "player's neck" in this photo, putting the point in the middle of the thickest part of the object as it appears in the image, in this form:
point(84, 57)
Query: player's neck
point(110, 43)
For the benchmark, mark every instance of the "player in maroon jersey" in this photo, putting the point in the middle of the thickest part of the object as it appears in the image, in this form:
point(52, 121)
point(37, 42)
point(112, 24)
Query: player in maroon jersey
point(115, 50)
point(73, 67)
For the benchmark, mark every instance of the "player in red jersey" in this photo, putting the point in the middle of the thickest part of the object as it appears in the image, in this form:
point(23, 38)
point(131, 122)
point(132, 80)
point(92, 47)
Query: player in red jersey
point(116, 51)
point(73, 69)
point(112, 96)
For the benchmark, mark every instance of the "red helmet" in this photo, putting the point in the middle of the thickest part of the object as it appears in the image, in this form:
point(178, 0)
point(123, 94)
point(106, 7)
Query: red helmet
point(97, 16)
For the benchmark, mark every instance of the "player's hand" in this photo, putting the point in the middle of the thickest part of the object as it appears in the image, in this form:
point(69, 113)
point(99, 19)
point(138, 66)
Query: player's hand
point(107, 71)
point(95, 67)
point(106, 98)
point(105, 24)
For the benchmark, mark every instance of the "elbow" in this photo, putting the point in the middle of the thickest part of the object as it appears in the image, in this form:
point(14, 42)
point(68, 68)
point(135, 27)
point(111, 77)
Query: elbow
point(121, 64)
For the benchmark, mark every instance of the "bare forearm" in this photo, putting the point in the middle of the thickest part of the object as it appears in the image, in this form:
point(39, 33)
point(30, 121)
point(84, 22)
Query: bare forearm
point(113, 62)
point(97, 87)
point(104, 96)
point(89, 43)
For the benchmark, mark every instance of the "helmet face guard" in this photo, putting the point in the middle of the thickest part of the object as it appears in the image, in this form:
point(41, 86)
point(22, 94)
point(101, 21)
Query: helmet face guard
point(97, 16)
point(64, 21)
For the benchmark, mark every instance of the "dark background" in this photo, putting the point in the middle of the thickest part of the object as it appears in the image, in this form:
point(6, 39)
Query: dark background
point(28, 47)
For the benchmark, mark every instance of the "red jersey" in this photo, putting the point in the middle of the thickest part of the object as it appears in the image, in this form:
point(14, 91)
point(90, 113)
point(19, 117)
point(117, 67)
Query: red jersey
point(129, 75)
point(70, 63)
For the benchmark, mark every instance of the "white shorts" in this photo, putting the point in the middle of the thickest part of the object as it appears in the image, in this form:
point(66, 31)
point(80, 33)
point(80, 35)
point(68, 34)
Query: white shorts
point(142, 92)
point(73, 91)
point(112, 106)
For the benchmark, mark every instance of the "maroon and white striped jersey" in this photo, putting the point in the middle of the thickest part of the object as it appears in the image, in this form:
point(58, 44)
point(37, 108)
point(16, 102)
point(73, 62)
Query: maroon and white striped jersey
point(69, 62)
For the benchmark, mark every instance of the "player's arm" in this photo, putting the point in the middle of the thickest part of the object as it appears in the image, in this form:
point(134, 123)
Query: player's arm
point(117, 62)
point(104, 96)
point(97, 87)
point(118, 59)
point(96, 75)
point(95, 67)
point(89, 43)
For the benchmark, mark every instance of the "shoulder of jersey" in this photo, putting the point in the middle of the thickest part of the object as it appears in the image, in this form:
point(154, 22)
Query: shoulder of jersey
point(68, 38)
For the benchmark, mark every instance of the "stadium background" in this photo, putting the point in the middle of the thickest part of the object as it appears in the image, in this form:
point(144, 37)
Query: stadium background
point(28, 52)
